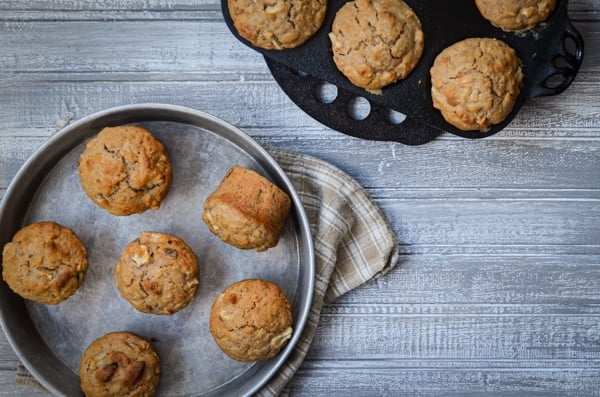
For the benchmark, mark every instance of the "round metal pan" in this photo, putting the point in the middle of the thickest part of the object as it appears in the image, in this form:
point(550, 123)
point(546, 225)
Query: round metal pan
point(50, 339)
point(551, 54)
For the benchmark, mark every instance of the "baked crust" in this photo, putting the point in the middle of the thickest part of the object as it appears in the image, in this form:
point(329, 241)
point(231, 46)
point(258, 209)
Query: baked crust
point(246, 210)
point(277, 24)
point(125, 170)
point(251, 320)
point(157, 273)
point(45, 262)
point(476, 82)
point(119, 364)
point(376, 42)
point(516, 15)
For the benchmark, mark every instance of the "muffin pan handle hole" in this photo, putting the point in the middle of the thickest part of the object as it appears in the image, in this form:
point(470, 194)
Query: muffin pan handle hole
point(559, 74)
point(395, 117)
point(359, 108)
point(348, 112)
point(326, 92)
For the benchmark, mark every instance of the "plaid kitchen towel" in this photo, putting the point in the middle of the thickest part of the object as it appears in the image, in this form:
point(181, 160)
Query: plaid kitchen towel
point(352, 239)
point(353, 243)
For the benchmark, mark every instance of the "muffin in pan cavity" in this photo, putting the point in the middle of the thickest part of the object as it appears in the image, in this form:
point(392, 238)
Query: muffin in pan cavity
point(476, 82)
point(45, 262)
point(516, 15)
point(376, 42)
point(277, 24)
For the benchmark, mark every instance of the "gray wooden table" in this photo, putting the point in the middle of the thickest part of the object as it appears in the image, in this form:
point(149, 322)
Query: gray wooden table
point(497, 291)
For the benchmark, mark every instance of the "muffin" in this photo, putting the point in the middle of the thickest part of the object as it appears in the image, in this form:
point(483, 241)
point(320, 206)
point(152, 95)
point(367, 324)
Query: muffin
point(251, 320)
point(246, 210)
point(45, 262)
point(376, 42)
point(515, 15)
point(157, 273)
point(119, 364)
point(476, 82)
point(125, 170)
point(277, 24)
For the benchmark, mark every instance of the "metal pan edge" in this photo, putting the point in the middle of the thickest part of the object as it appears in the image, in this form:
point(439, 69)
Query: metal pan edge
point(21, 334)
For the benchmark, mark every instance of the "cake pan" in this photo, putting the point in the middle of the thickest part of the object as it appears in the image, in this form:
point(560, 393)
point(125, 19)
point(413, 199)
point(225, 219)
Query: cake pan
point(551, 54)
point(49, 340)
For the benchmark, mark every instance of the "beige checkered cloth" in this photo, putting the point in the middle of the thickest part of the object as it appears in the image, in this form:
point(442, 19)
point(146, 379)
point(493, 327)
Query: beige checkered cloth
point(353, 244)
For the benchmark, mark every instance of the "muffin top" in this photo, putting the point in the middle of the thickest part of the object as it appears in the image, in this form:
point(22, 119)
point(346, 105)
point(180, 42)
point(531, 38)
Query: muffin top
point(277, 24)
point(376, 42)
point(45, 262)
point(515, 15)
point(125, 170)
point(119, 364)
point(251, 320)
point(476, 82)
point(157, 273)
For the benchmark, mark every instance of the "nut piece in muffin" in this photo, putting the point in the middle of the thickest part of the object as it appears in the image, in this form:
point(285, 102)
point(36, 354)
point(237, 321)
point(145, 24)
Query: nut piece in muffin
point(476, 82)
point(516, 15)
point(246, 210)
point(125, 170)
point(277, 24)
point(45, 262)
point(119, 364)
point(251, 320)
point(157, 273)
point(376, 42)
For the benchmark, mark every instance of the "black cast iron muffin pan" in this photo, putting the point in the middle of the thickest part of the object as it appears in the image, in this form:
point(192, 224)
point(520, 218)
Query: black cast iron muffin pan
point(551, 54)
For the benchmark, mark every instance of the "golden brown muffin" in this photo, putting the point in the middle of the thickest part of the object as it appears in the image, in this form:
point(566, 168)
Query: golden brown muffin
point(376, 42)
point(45, 262)
point(119, 364)
point(246, 210)
point(251, 320)
point(514, 15)
point(476, 82)
point(277, 24)
point(157, 273)
point(125, 170)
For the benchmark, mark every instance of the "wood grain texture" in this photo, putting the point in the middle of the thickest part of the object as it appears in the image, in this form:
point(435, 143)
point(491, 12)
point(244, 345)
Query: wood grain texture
point(497, 291)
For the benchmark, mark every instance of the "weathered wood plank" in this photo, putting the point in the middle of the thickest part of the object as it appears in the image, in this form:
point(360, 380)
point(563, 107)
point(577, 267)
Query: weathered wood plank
point(115, 5)
point(8, 387)
point(527, 337)
point(577, 7)
point(134, 46)
point(522, 168)
point(503, 284)
point(149, 45)
point(260, 105)
point(459, 382)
